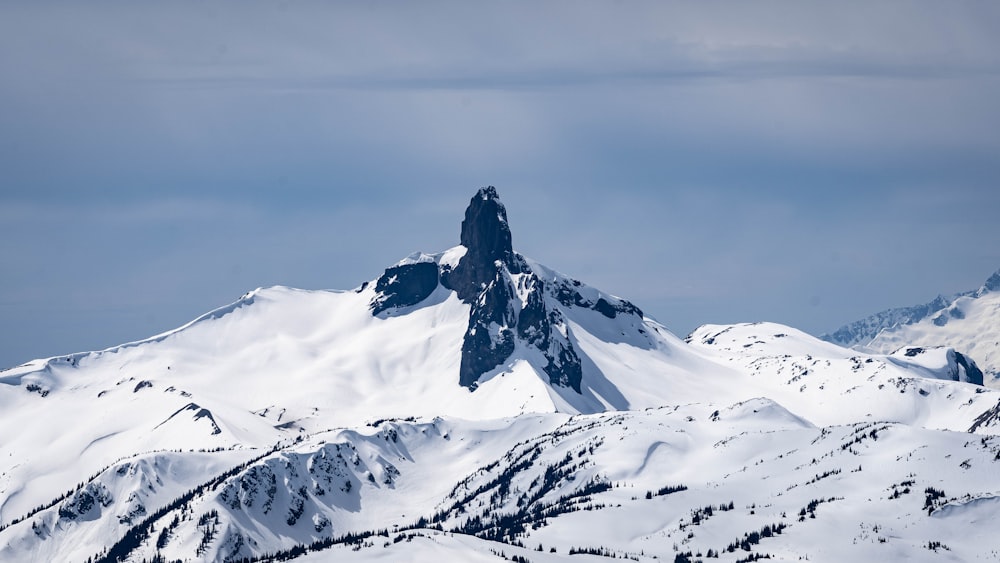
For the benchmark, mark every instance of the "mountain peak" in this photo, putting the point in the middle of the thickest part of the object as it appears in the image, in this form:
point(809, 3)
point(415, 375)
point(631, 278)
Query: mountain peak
point(489, 192)
point(993, 283)
point(485, 232)
point(486, 237)
point(513, 303)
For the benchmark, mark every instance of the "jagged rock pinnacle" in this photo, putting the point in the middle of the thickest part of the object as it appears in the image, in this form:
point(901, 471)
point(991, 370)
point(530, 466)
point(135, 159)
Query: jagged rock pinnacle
point(484, 278)
point(485, 232)
point(486, 237)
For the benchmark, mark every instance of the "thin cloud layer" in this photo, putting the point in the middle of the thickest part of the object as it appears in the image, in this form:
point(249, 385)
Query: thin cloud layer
point(800, 162)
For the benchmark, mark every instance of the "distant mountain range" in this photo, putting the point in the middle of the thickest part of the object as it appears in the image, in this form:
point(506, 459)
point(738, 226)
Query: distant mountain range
point(968, 322)
point(476, 405)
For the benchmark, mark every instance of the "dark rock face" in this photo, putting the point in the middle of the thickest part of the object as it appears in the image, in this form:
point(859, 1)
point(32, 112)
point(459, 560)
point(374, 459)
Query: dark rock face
point(972, 372)
point(611, 311)
point(489, 340)
point(988, 417)
point(605, 308)
point(486, 237)
point(403, 286)
point(570, 297)
point(485, 231)
point(535, 327)
point(962, 362)
point(564, 369)
point(533, 323)
point(86, 503)
point(498, 319)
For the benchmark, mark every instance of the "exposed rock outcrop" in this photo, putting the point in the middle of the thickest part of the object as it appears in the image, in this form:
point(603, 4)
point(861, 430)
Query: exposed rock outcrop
point(510, 305)
point(486, 237)
point(404, 285)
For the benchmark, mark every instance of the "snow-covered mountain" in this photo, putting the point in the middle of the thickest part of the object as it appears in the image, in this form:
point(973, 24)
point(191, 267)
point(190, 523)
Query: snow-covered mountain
point(968, 322)
point(474, 404)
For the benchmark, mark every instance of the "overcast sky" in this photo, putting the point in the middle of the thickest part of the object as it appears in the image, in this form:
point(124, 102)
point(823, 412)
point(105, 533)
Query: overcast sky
point(714, 162)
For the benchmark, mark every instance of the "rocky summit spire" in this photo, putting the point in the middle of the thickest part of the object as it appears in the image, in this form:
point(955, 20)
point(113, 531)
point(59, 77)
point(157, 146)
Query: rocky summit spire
point(485, 232)
point(486, 237)
point(509, 304)
point(497, 318)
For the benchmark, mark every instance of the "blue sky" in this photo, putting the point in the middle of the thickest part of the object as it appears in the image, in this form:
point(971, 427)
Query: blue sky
point(714, 162)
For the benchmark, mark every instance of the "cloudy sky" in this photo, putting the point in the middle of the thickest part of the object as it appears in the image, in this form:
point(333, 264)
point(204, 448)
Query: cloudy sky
point(714, 162)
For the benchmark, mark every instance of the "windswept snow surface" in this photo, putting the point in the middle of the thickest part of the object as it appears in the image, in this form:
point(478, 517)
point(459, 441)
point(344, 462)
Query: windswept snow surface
point(292, 417)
